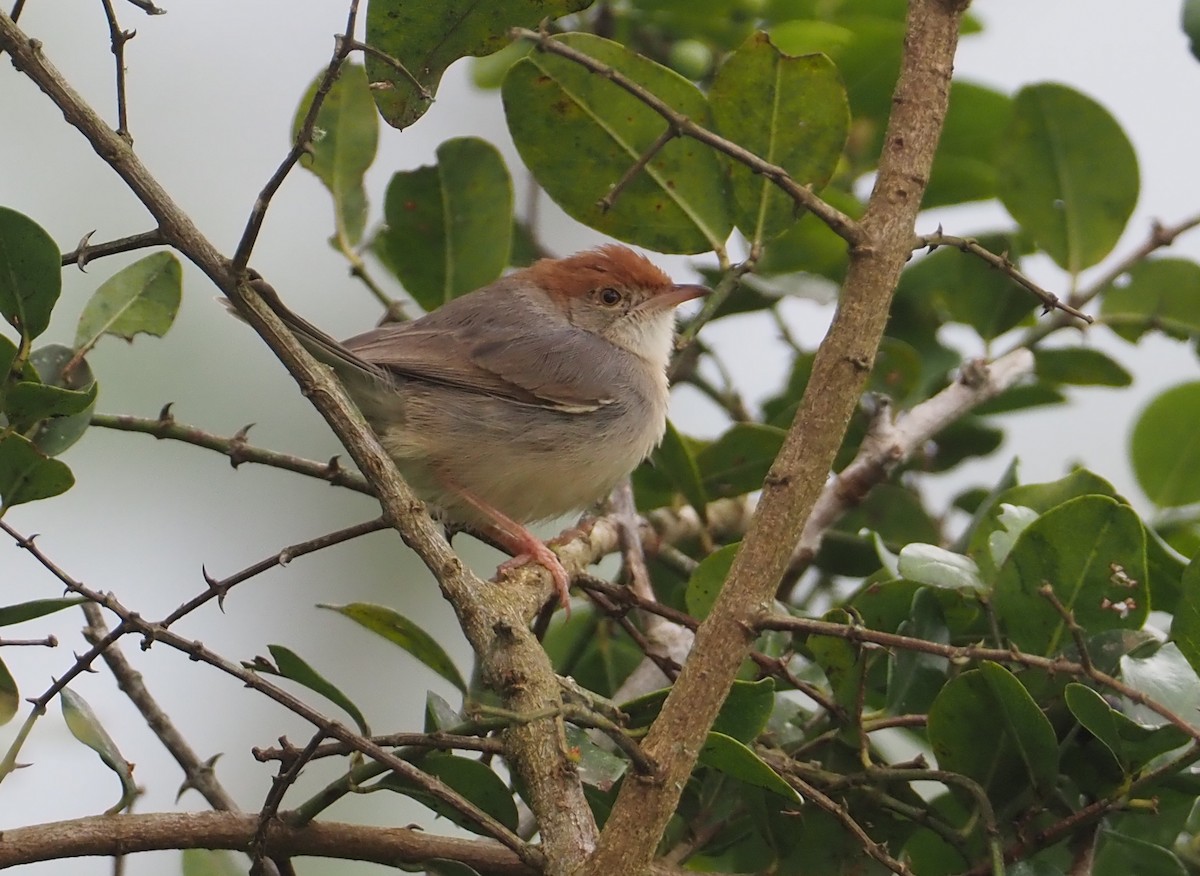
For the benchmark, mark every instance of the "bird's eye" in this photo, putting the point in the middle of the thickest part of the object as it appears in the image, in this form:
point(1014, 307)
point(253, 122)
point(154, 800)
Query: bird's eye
point(610, 296)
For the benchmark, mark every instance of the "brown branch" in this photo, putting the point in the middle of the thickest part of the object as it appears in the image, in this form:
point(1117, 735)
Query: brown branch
point(606, 203)
point(843, 225)
point(123, 834)
point(843, 816)
point(1004, 265)
point(881, 249)
point(436, 740)
point(117, 39)
point(86, 252)
point(164, 426)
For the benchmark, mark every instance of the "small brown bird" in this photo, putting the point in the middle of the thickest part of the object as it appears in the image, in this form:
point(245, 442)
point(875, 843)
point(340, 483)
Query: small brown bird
point(526, 399)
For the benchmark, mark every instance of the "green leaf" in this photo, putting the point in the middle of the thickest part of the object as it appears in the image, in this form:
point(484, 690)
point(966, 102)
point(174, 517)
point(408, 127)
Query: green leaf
point(738, 461)
point(1092, 552)
point(1133, 744)
point(675, 459)
point(86, 727)
point(26, 611)
point(28, 401)
point(1080, 366)
point(401, 631)
point(1120, 855)
point(1161, 294)
point(1185, 626)
point(842, 661)
point(290, 665)
point(797, 120)
point(58, 366)
point(344, 140)
point(1165, 676)
point(27, 474)
point(937, 567)
point(707, 579)
point(964, 168)
point(914, 678)
point(10, 698)
point(1165, 447)
point(1027, 728)
point(563, 118)
point(470, 778)
point(1067, 174)
point(743, 715)
point(1191, 25)
point(214, 862)
point(141, 298)
point(726, 755)
point(30, 273)
point(592, 649)
point(982, 726)
point(428, 37)
point(449, 227)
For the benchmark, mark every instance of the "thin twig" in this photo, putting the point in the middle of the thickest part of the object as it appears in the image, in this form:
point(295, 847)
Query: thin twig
point(164, 426)
point(217, 589)
point(606, 203)
point(86, 252)
point(843, 225)
point(118, 38)
point(1002, 263)
point(354, 45)
point(301, 145)
point(288, 774)
point(439, 740)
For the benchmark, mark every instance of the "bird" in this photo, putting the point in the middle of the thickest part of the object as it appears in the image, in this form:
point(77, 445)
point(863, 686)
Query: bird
point(524, 400)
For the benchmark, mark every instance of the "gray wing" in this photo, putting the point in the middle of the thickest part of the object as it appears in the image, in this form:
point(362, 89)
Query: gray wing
point(476, 346)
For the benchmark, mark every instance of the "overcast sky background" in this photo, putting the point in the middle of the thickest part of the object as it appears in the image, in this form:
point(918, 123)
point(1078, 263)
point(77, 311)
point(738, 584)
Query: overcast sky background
point(213, 88)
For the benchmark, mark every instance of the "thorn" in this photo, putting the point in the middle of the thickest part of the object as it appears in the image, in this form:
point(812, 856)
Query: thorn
point(81, 259)
point(165, 417)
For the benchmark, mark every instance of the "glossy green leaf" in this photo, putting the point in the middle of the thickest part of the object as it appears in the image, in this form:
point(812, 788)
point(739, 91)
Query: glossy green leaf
point(797, 120)
point(675, 458)
point(30, 273)
point(726, 755)
point(1013, 519)
point(1167, 677)
point(57, 366)
point(1162, 294)
point(28, 401)
point(1027, 728)
point(982, 726)
point(1039, 497)
point(914, 678)
point(1119, 855)
point(344, 140)
point(214, 862)
point(86, 727)
point(961, 287)
point(842, 661)
point(26, 474)
point(439, 714)
point(142, 298)
point(964, 167)
point(563, 118)
point(738, 461)
point(428, 37)
point(937, 567)
point(1067, 174)
point(288, 664)
point(449, 227)
point(1092, 552)
point(707, 579)
point(10, 698)
point(1165, 447)
point(1080, 366)
point(473, 780)
point(592, 649)
point(1133, 744)
point(597, 766)
point(1094, 714)
point(1185, 626)
point(399, 630)
point(26, 611)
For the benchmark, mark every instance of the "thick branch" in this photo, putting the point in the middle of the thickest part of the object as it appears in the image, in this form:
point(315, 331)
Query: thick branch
point(121, 834)
point(843, 362)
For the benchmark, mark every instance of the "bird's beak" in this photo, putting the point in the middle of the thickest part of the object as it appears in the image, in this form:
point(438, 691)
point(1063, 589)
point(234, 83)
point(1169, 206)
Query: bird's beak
point(676, 295)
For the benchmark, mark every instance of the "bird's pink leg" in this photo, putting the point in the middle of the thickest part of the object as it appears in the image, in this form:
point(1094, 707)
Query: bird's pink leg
point(522, 544)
